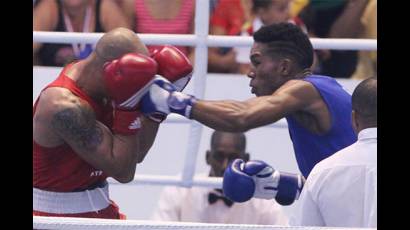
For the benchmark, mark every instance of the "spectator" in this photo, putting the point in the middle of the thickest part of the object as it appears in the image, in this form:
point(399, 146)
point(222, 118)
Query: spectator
point(209, 205)
point(367, 63)
point(335, 19)
point(161, 17)
point(72, 16)
point(266, 12)
point(297, 6)
point(228, 18)
point(249, 17)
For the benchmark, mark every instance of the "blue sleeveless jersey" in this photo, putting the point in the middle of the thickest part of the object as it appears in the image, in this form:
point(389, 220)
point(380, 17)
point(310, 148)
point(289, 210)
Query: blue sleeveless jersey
point(311, 148)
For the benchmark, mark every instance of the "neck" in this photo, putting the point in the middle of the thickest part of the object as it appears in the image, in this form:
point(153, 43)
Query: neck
point(87, 78)
point(76, 12)
point(302, 73)
point(77, 16)
point(366, 126)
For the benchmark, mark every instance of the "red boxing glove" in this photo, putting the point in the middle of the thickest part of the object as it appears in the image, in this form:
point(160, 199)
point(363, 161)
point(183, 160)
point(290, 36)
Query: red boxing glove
point(173, 65)
point(126, 80)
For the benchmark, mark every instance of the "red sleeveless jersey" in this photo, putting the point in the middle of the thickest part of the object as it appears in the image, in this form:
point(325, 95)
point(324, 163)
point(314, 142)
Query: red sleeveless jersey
point(59, 168)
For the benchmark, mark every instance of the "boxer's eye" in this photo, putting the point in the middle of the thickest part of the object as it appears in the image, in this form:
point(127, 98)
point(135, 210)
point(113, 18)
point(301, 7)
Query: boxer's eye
point(255, 62)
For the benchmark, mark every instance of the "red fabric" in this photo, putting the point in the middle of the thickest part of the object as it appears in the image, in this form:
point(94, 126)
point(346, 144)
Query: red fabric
point(181, 24)
point(126, 122)
point(229, 15)
point(59, 168)
point(110, 212)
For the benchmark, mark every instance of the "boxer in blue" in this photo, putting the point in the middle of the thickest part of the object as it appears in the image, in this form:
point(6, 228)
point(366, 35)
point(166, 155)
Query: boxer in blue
point(317, 108)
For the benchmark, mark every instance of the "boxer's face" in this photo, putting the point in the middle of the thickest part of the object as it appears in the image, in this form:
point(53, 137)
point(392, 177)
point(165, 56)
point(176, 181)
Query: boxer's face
point(219, 157)
point(265, 73)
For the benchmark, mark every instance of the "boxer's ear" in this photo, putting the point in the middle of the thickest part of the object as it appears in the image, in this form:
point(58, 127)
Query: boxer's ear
point(355, 124)
point(207, 157)
point(285, 66)
point(246, 157)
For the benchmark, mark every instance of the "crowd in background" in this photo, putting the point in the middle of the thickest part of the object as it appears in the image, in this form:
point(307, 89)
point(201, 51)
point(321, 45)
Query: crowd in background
point(318, 18)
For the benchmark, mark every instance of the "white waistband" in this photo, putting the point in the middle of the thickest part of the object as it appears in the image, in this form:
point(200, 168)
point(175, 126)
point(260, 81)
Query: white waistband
point(71, 202)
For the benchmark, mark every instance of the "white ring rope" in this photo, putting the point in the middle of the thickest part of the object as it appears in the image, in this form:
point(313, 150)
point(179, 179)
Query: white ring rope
point(178, 119)
point(193, 40)
point(200, 181)
point(65, 223)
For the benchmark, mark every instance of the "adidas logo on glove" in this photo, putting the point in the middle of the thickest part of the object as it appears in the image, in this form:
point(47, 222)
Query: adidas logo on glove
point(135, 124)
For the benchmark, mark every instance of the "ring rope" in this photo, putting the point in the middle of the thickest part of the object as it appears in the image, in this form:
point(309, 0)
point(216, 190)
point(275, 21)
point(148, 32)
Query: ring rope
point(66, 223)
point(193, 40)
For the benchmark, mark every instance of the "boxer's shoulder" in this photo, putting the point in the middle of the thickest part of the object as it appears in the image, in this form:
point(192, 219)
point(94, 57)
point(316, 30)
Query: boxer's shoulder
point(61, 113)
point(56, 93)
point(55, 100)
point(301, 92)
point(296, 86)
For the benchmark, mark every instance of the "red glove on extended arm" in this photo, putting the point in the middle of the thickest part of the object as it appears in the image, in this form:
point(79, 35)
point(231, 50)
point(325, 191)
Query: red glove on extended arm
point(175, 67)
point(126, 80)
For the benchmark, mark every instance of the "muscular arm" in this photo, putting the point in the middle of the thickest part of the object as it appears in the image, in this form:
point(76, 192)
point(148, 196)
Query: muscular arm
point(72, 121)
point(235, 116)
point(116, 155)
point(146, 137)
point(128, 9)
point(45, 17)
point(112, 16)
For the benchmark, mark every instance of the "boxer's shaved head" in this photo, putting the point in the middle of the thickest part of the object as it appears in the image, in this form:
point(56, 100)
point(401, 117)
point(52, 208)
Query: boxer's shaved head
point(238, 139)
point(118, 42)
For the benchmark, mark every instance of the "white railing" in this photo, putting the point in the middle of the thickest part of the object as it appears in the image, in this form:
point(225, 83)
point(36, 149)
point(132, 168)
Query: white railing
point(194, 40)
point(66, 223)
point(200, 71)
point(141, 179)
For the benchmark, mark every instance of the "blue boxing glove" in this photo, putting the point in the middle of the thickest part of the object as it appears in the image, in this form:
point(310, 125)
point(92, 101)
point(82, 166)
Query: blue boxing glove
point(242, 181)
point(237, 185)
point(163, 98)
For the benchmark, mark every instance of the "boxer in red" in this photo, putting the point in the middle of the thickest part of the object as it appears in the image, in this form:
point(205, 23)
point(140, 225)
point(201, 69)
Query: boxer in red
point(87, 125)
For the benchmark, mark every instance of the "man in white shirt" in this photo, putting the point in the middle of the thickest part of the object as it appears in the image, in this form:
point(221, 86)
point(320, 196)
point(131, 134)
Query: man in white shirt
point(341, 190)
point(209, 205)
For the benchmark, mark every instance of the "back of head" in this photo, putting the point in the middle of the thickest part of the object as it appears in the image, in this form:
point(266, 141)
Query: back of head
point(239, 139)
point(364, 102)
point(118, 42)
point(286, 40)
